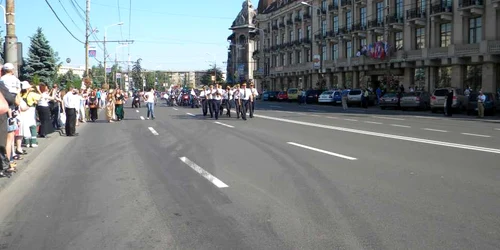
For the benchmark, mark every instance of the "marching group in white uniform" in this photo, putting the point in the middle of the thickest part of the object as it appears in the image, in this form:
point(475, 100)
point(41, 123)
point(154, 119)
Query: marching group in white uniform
point(215, 99)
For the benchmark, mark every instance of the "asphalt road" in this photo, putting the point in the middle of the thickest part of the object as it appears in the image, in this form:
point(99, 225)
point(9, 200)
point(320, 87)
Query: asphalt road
point(293, 177)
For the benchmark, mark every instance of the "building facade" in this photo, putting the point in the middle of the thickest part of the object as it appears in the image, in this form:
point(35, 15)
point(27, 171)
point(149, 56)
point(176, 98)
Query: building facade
point(76, 70)
point(356, 43)
point(240, 62)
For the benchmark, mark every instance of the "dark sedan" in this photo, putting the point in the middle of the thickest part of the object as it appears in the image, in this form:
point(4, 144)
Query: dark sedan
point(390, 100)
point(312, 96)
point(270, 96)
point(489, 104)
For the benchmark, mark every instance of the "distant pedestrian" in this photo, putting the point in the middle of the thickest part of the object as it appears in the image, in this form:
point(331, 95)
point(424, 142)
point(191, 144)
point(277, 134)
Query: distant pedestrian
point(344, 99)
point(150, 101)
point(481, 98)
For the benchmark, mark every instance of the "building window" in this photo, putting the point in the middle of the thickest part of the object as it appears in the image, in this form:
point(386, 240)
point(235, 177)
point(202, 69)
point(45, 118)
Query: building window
point(399, 9)
point(299, 33)
point(380, 12)
point(445, 35)
point(475, 30)
point(323, 27)
point(290, 58)
point(348, 49)
point(335, 51)
point(421, 4)
point(299, 56)
point(324, 54)
point(348, 20)
point(276, 40)
point(283, 60)
point(420, 38)
point(292, 36)
point(300, 14)
point(282, 37)
point(363, 42)
point(324, 5)
point(308, 32)
point(336, 24)
point(379, 38)
point(275, 61)
point(362, 14)
point(398, 40)
point(308, 55)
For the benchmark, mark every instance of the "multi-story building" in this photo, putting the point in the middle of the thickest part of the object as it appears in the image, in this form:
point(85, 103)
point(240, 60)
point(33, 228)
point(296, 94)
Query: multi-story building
point(76, 70)
point(353, 43)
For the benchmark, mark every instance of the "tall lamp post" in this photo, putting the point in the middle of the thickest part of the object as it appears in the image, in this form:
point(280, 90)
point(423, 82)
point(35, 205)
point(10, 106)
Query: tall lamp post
point(105, 51)
point(320, 31)
point(215, 67)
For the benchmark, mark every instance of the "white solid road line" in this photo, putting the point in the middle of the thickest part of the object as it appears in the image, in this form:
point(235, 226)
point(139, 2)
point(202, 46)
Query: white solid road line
point(435, 130)
point(322, 151)
point(142, 117)
point(352, 120)
point(383, 135)
point(190, 114)
point(332, 117)
point(175, 109)
point(497, 129)
point(137, 110)
point(379, 123)
point(316, 115)
point(401, 126)
point(153, 131)
point(204, 173)
point(223, 124)
point(389, 118)
point(314, 110)
point(485, 136)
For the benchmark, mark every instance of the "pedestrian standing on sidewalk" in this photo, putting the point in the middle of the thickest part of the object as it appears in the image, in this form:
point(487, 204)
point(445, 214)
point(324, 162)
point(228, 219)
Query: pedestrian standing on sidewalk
point(31, 98)
point(344, 93)
point(150, 101)
point(481, 98)
point(71, 105)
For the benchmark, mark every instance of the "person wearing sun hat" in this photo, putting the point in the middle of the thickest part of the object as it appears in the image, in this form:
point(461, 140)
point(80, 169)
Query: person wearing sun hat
point(10, 80)
point(31, 98)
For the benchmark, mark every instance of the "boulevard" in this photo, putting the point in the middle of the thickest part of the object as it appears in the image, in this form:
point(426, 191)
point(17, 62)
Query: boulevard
point(292, 177)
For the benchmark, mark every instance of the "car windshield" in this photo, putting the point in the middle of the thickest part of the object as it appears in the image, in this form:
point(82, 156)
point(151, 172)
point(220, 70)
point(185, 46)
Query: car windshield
point(412, 94)
point(327, 93)
point(441, 92)
point(355, 92)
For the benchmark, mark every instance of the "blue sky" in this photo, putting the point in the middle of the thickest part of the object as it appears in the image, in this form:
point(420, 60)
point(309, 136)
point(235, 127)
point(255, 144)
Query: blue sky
point(168, 34)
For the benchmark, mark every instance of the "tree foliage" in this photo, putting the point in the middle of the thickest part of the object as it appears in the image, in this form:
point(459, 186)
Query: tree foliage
point(206, 79)
point(69, 80)
point(136, 74)
point(42, 61)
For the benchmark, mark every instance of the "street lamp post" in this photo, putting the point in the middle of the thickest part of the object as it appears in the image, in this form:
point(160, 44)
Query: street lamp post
point(320, 32)
point(215, 67)
point(105, 52)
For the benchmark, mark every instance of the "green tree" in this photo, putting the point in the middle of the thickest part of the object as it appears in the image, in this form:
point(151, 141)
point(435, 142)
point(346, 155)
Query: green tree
point(206, 79)
point(42, 60)
point(69, 80)
point(137, 74)
point(97, 75)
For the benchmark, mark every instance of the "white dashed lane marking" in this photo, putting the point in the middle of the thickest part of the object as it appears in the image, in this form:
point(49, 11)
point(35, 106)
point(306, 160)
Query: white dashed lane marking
point(191, 114)
point(369, 122)
point(137, 110)
point(204, 173)
point(142, 117)
point(389, 118)
point(401, 126)
point(322, 151)
point(174, 108)
point(435, 130)
point(352, 120)
point(153, 131)
point(225, 125)
point(477, 135)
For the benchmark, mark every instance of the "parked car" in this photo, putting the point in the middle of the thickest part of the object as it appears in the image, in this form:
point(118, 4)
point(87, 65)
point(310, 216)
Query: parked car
point(489, 104)
point(269, 95)
point(390, 99)
point(282, 96)
point(293, 94)
point(312, 96)
point(417, 100)
point(439, 96)
point(354, 97)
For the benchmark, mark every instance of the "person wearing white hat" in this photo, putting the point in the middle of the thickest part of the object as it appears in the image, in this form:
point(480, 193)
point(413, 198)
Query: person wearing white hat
point(31, 98)
point(10, 80)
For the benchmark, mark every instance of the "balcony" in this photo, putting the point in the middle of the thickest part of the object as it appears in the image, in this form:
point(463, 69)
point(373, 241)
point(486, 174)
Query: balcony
point(376, 26)
point(416, 17)
point(441, 12)
point(395, 21)
point(360, 3)
point(321, 12)
point(333, 35)
point(495, 4)
point(471, 7)
point(334, 8)
point(359, 29)
point(346, 3)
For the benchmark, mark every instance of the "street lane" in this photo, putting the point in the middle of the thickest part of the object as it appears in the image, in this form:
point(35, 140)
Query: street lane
point(126, 186)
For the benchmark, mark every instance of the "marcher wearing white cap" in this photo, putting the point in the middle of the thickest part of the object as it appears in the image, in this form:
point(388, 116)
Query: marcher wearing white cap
point(10, 80)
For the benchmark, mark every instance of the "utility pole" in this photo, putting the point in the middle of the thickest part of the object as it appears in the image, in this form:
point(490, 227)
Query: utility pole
point(11, 38)
point(87, 34)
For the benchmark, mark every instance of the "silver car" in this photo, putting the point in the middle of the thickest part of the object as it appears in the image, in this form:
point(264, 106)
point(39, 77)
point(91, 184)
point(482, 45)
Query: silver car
point(417, 100)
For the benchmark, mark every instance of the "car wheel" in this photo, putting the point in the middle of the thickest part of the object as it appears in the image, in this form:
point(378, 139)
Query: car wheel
point(433, 110)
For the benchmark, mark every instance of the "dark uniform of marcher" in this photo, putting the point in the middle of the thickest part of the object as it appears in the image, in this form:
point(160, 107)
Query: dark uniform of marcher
point(204, 102)
point(210, 97)
point(218, 92)
point(246, 99)
point(237, 100)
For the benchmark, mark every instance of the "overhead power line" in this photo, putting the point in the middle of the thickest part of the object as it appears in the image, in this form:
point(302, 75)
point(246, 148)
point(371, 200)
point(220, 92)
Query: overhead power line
point(53, 11)
point(70, 18)
point(120, 18)
point(168, 13)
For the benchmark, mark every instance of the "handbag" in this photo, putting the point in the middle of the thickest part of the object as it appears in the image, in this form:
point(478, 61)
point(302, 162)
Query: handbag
point(12, 125)
point(62, 119)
